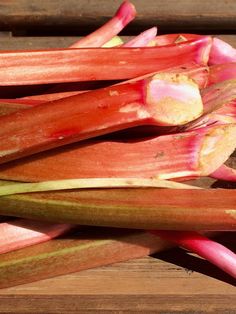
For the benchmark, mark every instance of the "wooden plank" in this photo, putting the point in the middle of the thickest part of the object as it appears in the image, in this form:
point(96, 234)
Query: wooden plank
point(17, 43)
point(138, 286)
point(80, 16)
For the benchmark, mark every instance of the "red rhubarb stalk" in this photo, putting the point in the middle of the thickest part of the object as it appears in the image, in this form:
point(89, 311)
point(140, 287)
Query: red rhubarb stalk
point(221, 52)
point(125, 14)
point(164, 99)
point(70, 65)
point(224, 173)
point(212, 251)
point(147, 208)
point(19, 233)
point(197, 153)
point(87, 249)
point(198, 73)
point(142, 39)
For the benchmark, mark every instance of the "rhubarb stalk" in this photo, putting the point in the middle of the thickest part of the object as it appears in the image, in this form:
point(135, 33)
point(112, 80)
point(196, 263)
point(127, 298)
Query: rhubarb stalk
point(142, 39)
point(140, 158)
point(125, 14)
point(164, 209)
point(224, 173)
point(164, 99)
point(212, 251)
point(71, 65)
point(19, 233)
point(66, 255)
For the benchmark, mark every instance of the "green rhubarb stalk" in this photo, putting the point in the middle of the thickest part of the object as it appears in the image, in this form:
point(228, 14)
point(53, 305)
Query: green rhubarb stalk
point(71, 184)
point(146, 208)
point(156, 100)
point(87, 249)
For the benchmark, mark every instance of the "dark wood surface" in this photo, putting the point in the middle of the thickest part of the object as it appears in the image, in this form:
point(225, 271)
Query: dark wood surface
point(79, 16)
point(169, 282)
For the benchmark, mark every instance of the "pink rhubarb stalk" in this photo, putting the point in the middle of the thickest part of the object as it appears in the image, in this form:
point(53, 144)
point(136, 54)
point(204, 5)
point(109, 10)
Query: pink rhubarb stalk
point(125, 14)
point(196, 153)
point(19, 233)
point(163, 100)
point(70, 65)
point(142, 39)
point(212, 251)
point(198, 73)
point(221, 52)
point(224, 173)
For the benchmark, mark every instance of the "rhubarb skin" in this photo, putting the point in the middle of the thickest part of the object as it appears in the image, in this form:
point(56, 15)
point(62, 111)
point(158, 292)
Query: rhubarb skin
point(71, 65)
point(145, 158)
point(164, 100)
point(221, 52)
point(163, 209)
point(125, 14)
point(19, 233)
point(222, 72)
point(87, 249)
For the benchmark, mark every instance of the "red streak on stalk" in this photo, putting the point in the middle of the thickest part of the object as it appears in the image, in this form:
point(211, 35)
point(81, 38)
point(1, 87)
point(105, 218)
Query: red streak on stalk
point(125, 14)
point(70, 65)
point(19, 233)
point(212, 251)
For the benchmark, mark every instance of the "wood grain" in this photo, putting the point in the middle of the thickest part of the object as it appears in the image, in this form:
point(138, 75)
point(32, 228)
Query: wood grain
point(9, 42)
point(144, 285)
point(81, 16)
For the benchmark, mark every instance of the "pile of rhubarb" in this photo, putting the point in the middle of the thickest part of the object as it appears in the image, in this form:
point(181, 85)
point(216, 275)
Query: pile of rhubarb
point(116, 134)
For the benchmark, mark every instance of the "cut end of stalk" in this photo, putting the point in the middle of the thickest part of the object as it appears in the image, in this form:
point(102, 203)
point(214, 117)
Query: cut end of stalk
point(174, 99)
point(217, 147)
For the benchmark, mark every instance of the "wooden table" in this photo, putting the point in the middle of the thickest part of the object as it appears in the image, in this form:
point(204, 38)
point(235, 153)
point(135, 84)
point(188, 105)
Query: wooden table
point(169, 282)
